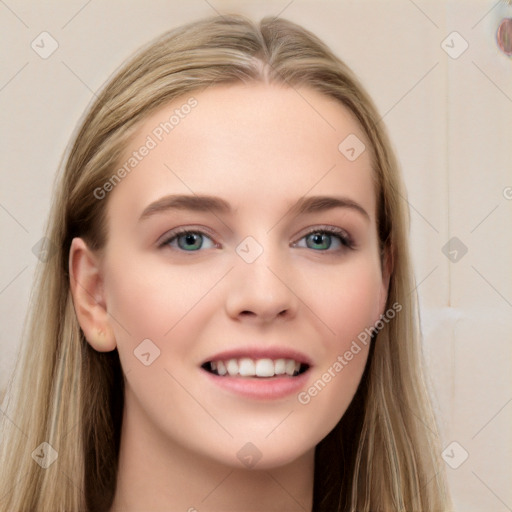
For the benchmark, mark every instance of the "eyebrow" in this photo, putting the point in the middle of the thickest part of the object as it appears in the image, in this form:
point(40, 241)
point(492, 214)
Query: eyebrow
point(203, 203)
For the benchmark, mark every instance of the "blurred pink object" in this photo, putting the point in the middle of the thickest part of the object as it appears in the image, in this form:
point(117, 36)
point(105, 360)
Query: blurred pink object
point(504, 36)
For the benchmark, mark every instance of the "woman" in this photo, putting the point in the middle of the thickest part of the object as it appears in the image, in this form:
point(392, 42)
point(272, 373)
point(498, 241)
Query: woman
point(228, 322)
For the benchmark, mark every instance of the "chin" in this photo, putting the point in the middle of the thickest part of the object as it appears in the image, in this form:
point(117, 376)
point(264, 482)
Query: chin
point(261, 455)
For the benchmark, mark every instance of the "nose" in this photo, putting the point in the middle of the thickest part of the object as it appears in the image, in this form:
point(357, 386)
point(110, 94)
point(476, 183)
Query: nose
point(261, 291)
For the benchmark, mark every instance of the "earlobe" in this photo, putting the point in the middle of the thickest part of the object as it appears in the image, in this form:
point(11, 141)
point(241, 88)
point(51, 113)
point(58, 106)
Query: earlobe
point(86, 286)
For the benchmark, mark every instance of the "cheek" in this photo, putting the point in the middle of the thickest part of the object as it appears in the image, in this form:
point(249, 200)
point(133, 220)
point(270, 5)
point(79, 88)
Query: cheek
point(348, 305)
point(150, 301)
point(348, 300)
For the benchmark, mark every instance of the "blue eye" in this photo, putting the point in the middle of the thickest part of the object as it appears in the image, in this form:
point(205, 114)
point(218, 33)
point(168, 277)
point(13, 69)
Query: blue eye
point(189, 241)
point(325, 239)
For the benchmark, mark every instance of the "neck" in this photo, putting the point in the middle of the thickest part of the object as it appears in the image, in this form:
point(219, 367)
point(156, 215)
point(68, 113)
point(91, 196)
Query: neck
point(156, 474)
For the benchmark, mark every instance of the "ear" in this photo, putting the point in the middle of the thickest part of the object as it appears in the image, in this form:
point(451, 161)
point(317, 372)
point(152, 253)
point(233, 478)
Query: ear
point(387, 265)
point(86, 285)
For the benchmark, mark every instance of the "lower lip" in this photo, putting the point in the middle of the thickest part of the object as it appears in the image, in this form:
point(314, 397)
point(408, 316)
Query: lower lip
point(267, 388)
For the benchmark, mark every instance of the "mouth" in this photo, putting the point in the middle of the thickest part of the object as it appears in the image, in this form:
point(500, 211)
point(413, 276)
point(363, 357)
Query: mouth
point(262, 368)
point(258, 373)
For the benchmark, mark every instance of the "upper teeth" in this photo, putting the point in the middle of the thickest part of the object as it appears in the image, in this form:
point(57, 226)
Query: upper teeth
point(246, 367)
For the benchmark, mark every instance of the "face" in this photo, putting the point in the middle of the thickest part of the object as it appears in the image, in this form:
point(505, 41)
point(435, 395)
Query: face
point(222, 258)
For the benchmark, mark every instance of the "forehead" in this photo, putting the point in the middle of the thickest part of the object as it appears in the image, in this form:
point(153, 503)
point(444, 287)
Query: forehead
point(253, 144)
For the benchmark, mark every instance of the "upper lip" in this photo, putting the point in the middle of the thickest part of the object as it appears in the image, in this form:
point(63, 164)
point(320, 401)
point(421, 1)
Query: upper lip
point(260, 353)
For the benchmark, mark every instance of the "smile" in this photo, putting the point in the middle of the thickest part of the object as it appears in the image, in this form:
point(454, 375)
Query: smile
point(260, 368)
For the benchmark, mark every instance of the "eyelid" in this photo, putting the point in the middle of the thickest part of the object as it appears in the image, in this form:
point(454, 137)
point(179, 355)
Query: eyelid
point(179, 230)
point(344, 236)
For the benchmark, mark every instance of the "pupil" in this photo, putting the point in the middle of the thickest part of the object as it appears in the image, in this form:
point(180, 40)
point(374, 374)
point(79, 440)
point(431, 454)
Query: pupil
point(191, 241)
point(320, 239)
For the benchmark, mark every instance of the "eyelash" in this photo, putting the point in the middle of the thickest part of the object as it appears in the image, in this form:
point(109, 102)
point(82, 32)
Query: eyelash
point(344, 238)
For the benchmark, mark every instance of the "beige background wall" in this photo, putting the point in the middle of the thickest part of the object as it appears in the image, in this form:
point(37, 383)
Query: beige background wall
point(449, 112)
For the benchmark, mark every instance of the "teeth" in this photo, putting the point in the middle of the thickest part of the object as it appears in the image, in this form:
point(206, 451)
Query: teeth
point(280, 366)
point(247, 367)
point(232, 367)
point(264, 368)
point(221, 368)
point(290, 367)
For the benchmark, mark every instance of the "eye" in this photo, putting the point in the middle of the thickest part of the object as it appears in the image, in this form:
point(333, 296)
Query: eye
point(325, 239)
point(188, 240)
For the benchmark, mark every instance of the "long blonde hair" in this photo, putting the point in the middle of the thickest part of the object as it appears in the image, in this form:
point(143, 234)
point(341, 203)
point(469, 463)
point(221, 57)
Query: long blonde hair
point(383, 455)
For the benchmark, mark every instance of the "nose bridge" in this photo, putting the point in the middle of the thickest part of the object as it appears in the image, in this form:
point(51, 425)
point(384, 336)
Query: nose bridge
point(259, 281)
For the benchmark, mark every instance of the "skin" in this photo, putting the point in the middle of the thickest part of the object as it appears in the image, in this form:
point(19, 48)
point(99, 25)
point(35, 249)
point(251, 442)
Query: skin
point(261, 148)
